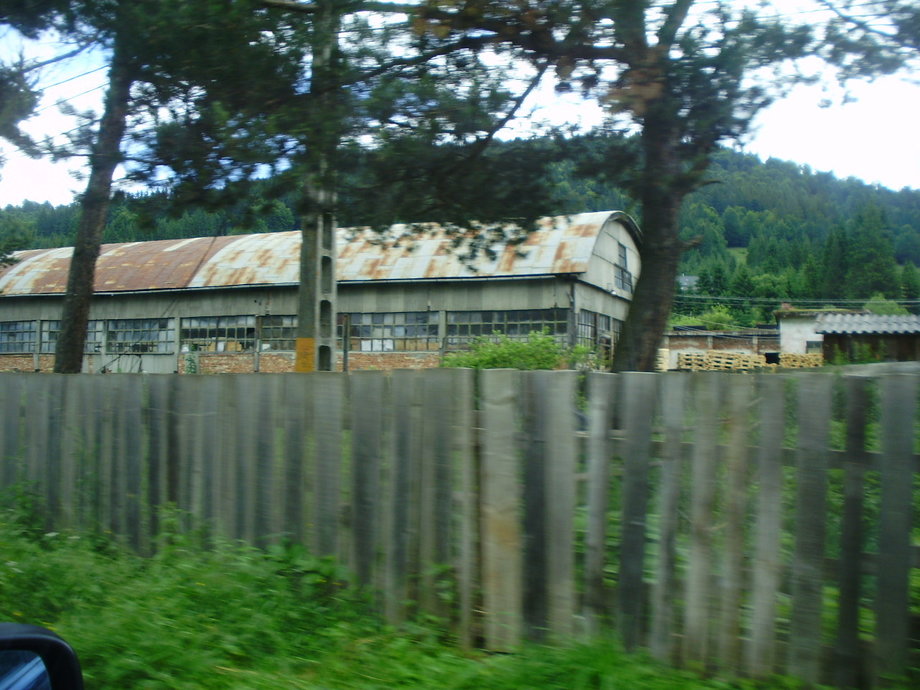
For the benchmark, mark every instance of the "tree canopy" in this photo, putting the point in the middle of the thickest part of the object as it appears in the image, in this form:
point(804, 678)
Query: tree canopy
point(402, 102)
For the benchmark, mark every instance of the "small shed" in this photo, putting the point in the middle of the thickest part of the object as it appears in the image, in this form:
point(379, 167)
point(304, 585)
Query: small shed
point(870, 337)
point(798, 328)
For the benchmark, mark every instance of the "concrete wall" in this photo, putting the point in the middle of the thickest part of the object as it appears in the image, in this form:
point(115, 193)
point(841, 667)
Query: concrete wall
point(795, 332)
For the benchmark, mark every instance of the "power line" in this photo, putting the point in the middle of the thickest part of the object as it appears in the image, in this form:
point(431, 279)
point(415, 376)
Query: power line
point(78, 76)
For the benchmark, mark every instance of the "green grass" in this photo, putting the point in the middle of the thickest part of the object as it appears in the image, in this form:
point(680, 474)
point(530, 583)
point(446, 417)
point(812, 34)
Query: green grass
point(230, 616)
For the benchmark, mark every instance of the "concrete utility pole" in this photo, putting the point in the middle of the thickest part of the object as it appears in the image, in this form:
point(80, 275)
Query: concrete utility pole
point(316, 304)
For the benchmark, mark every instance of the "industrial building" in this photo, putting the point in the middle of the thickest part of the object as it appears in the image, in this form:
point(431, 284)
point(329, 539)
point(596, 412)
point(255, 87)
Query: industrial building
point(405, 296)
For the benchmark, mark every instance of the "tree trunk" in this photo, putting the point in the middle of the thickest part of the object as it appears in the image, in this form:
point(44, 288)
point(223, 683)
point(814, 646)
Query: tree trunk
point(106, 154)
point(316, 310)
point(661, 196)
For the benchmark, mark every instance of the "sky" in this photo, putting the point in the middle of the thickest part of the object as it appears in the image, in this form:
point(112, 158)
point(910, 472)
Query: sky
point(873, 137)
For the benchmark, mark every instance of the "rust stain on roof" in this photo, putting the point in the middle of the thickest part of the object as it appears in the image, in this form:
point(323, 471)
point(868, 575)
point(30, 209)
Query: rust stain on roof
point(562, 244)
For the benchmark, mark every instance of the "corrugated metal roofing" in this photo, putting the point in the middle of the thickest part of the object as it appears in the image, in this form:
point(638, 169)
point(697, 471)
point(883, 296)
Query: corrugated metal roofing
point(559, 245)
point(867, 324)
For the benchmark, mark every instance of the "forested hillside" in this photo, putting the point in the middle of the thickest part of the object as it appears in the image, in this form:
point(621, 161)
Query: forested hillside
point(761, 233)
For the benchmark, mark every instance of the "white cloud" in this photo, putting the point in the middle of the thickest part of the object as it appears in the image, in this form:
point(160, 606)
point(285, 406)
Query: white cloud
point(874, 138)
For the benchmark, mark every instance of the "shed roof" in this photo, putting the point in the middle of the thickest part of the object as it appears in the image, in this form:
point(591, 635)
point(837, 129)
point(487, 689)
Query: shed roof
point(869, 324)
point(558, 245)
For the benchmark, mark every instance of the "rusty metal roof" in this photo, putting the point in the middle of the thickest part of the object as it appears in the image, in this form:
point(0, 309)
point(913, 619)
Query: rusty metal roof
point(559, 245)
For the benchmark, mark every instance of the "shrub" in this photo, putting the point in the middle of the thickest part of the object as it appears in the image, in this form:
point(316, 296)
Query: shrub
point(538, 351)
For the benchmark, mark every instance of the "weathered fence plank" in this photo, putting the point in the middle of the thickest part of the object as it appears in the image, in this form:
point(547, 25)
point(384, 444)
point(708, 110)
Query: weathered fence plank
point(210, 444)
point(847, 656)
point(132, 461)
point(266, 523)
point(155, 417)
point(105, 466)
point(37, 408)
point(228, 418)
point(501, 500)
point(814, 407)
point(639, 391)
point(560, 500)
point(761, 651)
point(467, 552)
point(55, 466)
point(532, 402)
point(296, 419)
point(10, 430)
point(736, 480)
point(367, 402)
point(187, 425)
point(673, 407)
point(328, 413)
point(70, 445)
point(899, 408)
point(436, 490)
point(699, 589)
point(601, 390)
point(404, 437)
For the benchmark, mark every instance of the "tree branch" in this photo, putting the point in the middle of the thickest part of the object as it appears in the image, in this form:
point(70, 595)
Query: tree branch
point(481, 144)
point(675, 18)
point(306, 8)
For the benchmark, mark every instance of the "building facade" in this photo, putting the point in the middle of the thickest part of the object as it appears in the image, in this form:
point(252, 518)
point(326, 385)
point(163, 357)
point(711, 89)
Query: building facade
point(405, 297)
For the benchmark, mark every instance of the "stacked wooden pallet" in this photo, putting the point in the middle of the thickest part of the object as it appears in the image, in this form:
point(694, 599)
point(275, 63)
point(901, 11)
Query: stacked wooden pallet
point(792, 361)
point(717, 360)
point(694, 361)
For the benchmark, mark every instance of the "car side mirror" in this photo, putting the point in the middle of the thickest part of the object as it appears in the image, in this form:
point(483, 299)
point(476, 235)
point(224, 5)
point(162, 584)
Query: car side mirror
point(34, 658)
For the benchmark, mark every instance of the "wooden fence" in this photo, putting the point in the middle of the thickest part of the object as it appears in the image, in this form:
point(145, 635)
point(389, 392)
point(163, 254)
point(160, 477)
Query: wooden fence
point(755, 524)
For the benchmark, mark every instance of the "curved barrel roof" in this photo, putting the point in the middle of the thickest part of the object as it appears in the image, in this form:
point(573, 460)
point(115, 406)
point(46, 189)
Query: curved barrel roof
point(559, 245)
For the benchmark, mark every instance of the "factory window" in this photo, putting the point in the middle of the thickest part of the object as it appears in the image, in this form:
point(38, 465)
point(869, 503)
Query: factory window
point(599, 332)
point(623, 278)
point(278, 332)
point(413, 331)
point(464, 326)
point(218, 334)
point(592, 327)
point(17, 337)
point(140, 336)
point(622, 255)
point(95, 337)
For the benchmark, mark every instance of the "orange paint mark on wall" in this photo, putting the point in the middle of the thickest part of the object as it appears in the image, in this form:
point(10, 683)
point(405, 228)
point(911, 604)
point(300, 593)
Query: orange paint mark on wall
point(305, 355)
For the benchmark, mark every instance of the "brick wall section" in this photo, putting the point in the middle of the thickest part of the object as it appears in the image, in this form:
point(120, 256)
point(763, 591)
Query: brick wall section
point(390, 360)
point(274, 363)
point(280, 363)
point(26, 363)
point(226, 364)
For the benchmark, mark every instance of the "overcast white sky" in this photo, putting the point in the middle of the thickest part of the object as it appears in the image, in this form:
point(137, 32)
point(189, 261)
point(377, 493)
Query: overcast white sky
point(875, 138)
